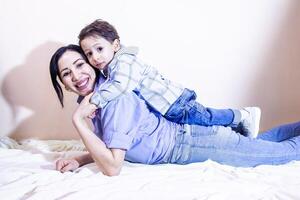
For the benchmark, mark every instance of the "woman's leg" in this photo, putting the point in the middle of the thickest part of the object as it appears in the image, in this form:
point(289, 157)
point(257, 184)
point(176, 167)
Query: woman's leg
point(281, 133)
point(223, 145)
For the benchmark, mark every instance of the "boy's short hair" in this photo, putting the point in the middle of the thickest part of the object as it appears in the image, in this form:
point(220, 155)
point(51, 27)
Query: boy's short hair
point(100, 28)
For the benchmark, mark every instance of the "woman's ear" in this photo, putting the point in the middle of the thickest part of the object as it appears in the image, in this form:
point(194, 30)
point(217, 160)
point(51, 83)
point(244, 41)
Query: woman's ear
point(116, 45)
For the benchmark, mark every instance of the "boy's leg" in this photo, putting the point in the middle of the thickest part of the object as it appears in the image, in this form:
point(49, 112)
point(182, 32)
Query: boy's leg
point(196, 113)
point(223, 145)
point(245, 121)
point(186, 110)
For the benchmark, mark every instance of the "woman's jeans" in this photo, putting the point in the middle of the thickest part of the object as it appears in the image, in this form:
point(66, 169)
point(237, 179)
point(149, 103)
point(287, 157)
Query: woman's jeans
point(186, 110)
point(221, 144)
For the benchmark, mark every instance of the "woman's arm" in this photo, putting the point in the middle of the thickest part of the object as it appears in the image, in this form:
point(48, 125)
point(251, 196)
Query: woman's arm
point(84, 159)
point(70, 164)
point(108, 160)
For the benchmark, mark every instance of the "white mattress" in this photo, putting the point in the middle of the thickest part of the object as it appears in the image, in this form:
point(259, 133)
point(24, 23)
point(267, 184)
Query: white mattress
point(29, 174)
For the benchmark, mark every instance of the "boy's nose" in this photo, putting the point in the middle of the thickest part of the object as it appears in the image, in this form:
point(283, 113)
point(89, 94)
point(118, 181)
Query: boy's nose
point(96, 57)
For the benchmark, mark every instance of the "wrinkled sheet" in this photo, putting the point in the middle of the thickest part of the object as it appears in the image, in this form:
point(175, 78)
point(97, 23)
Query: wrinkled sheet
point(30, 174)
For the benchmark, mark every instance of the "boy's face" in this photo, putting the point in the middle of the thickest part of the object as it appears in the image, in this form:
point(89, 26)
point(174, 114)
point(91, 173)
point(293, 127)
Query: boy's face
point(99, 51)
point(76, 74)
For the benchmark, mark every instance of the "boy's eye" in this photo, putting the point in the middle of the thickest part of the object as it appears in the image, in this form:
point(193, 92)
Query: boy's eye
point(88, 54)
point(99, 48)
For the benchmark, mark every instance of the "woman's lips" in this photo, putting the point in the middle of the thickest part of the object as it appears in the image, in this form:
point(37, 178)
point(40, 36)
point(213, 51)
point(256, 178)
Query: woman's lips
point(82, 84)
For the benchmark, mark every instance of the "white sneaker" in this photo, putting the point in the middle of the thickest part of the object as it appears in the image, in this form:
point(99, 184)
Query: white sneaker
point(250, 124)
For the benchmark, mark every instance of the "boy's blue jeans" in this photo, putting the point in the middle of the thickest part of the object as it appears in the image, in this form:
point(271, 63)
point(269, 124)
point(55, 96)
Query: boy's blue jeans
point(221, 144)
point(185, 110)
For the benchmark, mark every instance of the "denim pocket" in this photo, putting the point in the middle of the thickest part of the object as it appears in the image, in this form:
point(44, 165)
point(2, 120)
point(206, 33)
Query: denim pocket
point(175, 111)
point(178, 108)
point(192, 149)
point(197, 130)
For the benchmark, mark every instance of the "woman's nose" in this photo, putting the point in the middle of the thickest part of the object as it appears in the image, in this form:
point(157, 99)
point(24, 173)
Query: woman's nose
point(75, 76)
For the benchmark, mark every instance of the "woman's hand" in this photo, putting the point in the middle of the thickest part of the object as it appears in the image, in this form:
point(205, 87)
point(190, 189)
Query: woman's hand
point(64, 165)
point(85, 109)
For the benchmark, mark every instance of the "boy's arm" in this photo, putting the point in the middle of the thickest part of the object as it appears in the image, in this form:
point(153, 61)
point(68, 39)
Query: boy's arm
point(124, 78)
point(108, 160)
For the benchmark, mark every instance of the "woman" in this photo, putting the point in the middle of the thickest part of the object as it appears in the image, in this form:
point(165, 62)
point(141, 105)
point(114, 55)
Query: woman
point(125, 129)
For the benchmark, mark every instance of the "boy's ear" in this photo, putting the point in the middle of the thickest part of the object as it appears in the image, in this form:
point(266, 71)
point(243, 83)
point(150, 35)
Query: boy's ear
point(116, 45)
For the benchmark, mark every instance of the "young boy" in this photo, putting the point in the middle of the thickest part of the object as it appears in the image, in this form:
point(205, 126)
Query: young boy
point(125, 72)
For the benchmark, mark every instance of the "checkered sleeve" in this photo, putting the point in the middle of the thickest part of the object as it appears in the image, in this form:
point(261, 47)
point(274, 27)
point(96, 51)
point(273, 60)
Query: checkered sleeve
point(123, 78)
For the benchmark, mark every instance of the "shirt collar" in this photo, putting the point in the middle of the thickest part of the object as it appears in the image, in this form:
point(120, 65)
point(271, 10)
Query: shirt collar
point(131, 50)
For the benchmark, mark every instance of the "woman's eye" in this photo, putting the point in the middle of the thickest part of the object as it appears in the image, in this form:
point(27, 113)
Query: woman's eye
point(99, 48)
point(66, 74)
point(88, 54)
point(79, 65)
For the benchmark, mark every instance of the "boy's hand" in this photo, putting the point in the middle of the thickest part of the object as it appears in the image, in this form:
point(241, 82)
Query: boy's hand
point(64, 165)
point(91, 116)
point(86, 109)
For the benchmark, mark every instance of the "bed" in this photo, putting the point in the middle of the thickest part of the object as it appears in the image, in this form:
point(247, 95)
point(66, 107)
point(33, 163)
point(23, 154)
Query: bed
point(27, 172)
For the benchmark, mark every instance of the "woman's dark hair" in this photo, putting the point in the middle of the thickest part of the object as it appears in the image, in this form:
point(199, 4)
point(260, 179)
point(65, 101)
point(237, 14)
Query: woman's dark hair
point(54, 72)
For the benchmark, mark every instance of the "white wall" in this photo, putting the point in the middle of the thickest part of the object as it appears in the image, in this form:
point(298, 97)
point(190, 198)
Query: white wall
point(234, 53)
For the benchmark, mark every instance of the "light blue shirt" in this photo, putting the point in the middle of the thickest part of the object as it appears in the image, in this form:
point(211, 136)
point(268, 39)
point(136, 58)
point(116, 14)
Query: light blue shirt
point(127, 123)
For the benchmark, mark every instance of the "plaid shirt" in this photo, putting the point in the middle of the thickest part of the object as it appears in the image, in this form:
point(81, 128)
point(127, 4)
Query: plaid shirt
point(126, 73)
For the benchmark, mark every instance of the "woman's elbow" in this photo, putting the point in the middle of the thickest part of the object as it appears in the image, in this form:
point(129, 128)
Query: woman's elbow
point(112, 172)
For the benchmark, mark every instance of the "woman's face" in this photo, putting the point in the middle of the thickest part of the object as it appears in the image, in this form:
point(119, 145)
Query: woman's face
point(76, 74)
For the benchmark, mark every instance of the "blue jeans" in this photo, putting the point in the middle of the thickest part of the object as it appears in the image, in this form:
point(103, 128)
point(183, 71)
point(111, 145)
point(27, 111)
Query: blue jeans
point(185, 110)
point(223, 145)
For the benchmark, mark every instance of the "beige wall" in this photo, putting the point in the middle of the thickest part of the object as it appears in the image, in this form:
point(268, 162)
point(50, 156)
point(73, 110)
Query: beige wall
point(233, 53)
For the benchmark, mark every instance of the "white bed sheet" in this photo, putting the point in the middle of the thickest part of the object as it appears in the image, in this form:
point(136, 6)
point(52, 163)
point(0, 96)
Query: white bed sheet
point(29, 174)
